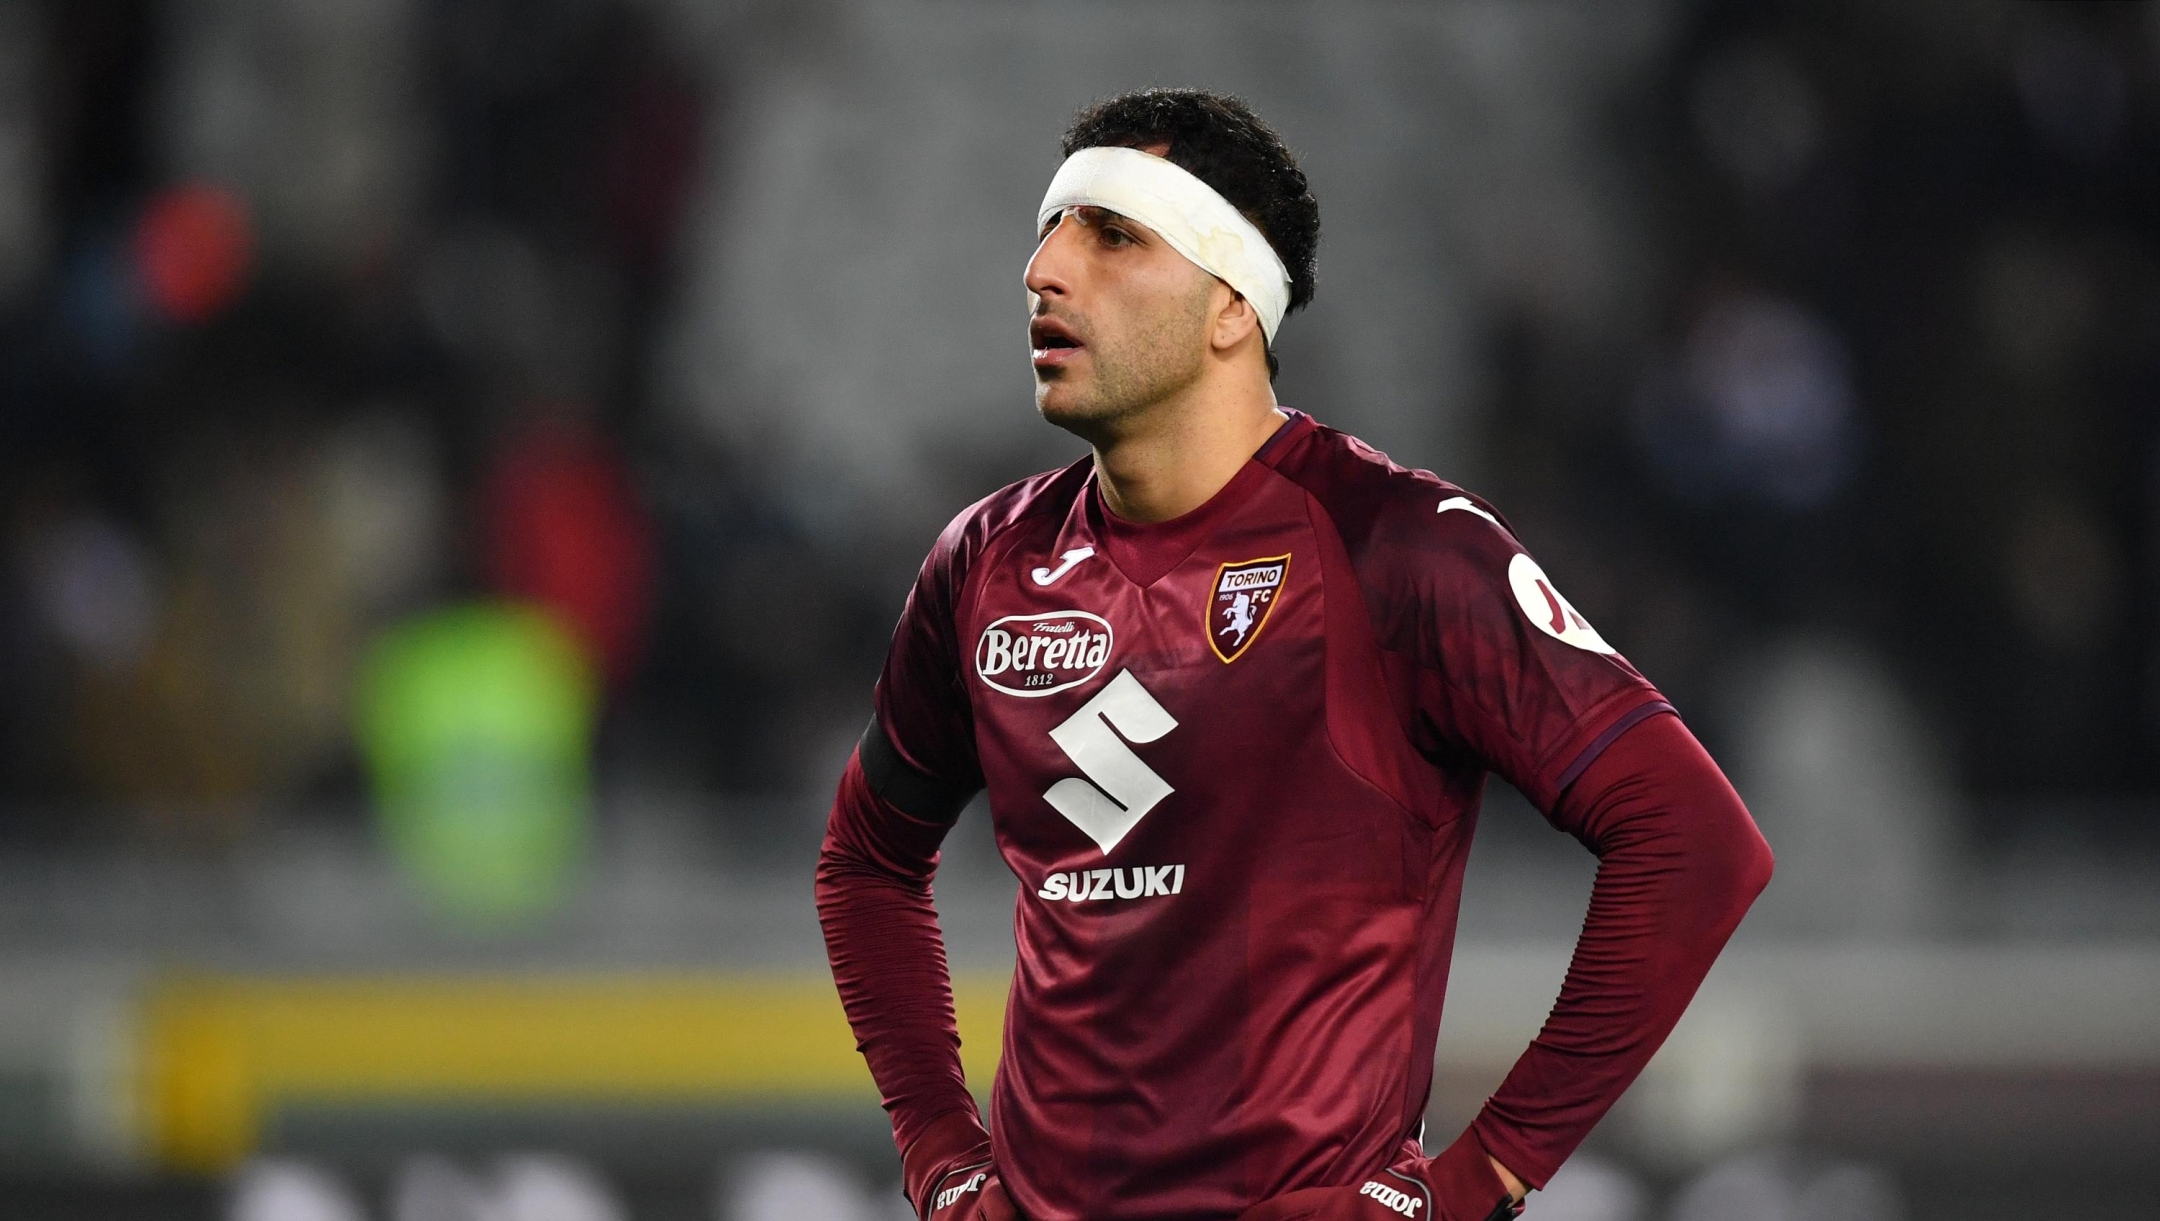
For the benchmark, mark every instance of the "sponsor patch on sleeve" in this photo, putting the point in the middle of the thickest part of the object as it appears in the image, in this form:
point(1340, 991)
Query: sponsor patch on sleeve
point(1544, 606)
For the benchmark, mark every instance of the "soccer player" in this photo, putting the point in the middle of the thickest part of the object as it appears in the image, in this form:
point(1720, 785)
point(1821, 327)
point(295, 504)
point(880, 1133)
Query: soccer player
point(1233, 683)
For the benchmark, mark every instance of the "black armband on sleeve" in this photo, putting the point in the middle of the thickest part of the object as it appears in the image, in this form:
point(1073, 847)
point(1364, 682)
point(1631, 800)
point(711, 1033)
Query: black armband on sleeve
point(913, 793)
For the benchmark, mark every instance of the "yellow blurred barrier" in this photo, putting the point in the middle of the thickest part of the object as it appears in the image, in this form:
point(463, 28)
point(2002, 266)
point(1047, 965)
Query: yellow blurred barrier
point(221, 1054)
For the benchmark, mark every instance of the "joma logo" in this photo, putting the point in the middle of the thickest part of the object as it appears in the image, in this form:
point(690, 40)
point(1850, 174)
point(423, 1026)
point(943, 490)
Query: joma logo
point(946, 1198)
point(1401, 1201)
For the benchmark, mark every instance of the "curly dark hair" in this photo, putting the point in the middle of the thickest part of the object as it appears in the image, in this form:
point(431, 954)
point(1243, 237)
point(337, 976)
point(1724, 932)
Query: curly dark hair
point(1219, 140)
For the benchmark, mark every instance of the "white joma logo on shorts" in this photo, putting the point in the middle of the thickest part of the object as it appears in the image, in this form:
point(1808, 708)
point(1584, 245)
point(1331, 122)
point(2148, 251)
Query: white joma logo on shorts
point(1401, 1201)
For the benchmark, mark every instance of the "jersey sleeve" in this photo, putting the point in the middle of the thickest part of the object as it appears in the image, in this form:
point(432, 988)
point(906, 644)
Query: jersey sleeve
point(1508, 670)
point(920, 700)
point(899, 795)
point(1679, 861)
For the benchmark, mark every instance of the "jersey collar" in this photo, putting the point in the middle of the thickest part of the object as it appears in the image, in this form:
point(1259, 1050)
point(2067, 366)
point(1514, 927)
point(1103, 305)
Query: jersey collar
point(1145, 552)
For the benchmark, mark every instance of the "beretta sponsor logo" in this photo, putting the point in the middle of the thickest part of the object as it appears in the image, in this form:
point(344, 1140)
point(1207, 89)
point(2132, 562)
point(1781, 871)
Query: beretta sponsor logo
point(1031, 655)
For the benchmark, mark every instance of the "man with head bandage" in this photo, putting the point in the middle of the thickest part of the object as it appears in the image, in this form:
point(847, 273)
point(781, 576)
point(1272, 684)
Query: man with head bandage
point(1186, 213)
point(1232, 684)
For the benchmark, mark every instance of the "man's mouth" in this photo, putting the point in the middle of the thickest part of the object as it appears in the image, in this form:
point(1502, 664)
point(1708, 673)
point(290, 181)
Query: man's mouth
point(1053, 343)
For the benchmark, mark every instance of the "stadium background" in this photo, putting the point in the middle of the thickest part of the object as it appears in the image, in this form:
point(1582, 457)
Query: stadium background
point(459, 463)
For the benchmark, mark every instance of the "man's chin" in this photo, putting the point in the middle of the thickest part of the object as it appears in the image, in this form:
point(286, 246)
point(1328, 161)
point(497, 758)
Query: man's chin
point(1056, 397)
point(1059, 403)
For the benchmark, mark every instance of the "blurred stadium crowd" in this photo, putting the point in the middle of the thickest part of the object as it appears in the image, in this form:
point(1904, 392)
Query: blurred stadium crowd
point(1810, 344)
point(321, 315)
point(318, 315)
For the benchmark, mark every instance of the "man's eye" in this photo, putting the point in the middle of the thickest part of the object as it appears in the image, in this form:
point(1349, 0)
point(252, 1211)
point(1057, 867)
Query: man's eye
point(1114, 236)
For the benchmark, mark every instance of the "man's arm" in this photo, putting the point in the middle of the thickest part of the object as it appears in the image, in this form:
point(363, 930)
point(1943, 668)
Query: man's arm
point(887, 953)
point(900, 793)
point(1679, 861)
point(1512, 673)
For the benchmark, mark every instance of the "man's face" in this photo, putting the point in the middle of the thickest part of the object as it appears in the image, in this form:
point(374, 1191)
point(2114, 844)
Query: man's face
point(1117, 319)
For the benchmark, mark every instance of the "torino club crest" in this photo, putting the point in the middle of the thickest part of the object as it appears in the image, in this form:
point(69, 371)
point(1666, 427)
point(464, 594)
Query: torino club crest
point(1245, 593)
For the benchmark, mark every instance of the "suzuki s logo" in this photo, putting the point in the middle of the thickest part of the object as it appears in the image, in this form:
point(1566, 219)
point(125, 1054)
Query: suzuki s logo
point(1031, 655)
point(1120, 788)
point(1245, 594)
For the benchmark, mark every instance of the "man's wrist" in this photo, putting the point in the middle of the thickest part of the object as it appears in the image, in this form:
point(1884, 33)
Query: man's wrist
point(951, 1141)
point(1516, 1187)
point(1469, 1184)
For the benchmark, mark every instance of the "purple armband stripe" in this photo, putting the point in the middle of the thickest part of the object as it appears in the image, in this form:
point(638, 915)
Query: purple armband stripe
point(1628, 720)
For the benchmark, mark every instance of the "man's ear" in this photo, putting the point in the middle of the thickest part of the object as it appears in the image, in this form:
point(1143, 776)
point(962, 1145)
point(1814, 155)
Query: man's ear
point(1234, 320)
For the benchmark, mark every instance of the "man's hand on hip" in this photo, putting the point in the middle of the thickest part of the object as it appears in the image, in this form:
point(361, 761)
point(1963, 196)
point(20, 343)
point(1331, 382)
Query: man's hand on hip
point(948, 1175)
point(972, 1195)
point(1461, 1184)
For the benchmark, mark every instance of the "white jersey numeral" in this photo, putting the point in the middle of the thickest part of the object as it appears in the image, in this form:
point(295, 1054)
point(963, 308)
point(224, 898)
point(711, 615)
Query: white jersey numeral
point(1090, 738)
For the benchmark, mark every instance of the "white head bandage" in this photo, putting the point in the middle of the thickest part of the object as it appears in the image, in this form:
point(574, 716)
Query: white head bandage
point(1188, 213)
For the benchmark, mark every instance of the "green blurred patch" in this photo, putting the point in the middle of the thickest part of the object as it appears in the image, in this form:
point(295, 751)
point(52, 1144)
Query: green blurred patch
point(476, 723)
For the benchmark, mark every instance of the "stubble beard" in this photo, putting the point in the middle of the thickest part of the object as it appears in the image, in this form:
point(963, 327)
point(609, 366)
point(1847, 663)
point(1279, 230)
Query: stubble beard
point(1127, 376)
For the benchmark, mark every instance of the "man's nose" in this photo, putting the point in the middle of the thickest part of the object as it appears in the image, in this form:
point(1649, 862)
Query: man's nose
point(1049, 270)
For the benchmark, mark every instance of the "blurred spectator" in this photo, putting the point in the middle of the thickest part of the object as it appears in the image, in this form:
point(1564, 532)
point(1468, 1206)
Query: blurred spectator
point(389, 513)
point(477, 724)
point(565, 531)
point(1761, 408)
point(94, 584)
point(194, 252)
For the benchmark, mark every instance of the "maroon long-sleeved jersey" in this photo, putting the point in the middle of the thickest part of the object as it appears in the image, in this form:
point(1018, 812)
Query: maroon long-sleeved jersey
point(1235, 761)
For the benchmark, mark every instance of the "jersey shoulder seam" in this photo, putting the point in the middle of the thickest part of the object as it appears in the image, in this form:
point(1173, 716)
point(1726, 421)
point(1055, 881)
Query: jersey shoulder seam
point(1007, 500)
point(1401, 485)
point(1398, 489)
point(994, 537)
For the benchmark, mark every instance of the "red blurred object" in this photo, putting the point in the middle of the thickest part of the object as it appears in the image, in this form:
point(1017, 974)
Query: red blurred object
point(194, 250)
point(564, 529)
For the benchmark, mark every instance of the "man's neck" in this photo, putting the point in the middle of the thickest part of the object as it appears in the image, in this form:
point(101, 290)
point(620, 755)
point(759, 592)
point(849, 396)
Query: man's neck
point(1181, 454)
